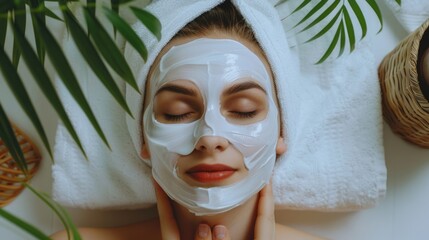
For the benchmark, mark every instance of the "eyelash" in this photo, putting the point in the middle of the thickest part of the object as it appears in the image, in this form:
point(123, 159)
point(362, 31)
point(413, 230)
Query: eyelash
point(177, 118)
point(244, 114)
point(182, 117)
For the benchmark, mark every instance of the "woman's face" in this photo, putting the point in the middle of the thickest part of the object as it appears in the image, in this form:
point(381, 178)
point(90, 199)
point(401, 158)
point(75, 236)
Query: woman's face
point(213, 161)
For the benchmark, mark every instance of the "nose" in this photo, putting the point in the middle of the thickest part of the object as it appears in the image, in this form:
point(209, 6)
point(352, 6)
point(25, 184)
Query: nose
point(211, 144)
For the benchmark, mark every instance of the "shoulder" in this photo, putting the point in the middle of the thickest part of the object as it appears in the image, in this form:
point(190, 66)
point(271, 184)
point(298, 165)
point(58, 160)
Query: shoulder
point(149, 229)
point(285, 232)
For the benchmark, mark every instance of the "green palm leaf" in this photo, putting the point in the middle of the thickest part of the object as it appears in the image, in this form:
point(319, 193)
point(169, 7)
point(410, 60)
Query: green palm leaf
point(377, 11)
point(35, 4)
point(40, 75)
point(312, 12)
point(9, 138)
point(60, 212)
point(150, 21)
point(302, 5)
point(91, 8)
point(16, 85)
point(23, 225)
point(50, 14)
point(20, 19)
point(68, 77)
point(326, 28)
point(350, 28)
point(359, 15)
point(93, 59)
point(323, 15)
point(114, 4)
point(398, 1)
point(331, 46)
point(3, 29)
point(342, 39)
point(125, 1)
point(347, 30)
point(110, 52)
point(6, 6)
point(127, 32)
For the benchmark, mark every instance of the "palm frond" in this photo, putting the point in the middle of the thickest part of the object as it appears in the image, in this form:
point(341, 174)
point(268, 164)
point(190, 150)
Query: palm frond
point(7, 135)
point(68, 77)
point(359, 15)
point(16, 84)
point(312, 12)
point(127, 32)
point(65, 218)
point(345, 27)
point(342, 40)
point(377, 11)
point(38, 4)
point(20, 19)
point(302, 5)
point(150, 21)
point(96, 46)
point(3, 26)
point(29, 228)
point(351, 30)
point(89, 52)
point(323, 15)
point(42, 79)
point(110, 51)
point(326, 28)
point(331, 46)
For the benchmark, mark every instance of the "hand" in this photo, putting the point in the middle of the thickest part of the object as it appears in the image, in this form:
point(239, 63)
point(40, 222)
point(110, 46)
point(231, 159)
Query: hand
point(169, 228)
point(265, 225)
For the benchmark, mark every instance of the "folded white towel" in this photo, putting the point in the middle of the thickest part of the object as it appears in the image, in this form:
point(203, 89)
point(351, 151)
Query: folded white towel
point(411, 13)
point(332, 115)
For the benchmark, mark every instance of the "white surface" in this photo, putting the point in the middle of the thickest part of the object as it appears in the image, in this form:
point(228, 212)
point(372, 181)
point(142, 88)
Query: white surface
point(401, 215)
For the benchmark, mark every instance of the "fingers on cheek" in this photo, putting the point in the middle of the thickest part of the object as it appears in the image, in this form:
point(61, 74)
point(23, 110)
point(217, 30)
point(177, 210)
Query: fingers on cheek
point(203, 232)
point(220, 232)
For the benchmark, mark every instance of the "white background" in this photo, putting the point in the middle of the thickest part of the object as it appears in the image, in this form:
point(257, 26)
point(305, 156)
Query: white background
point(402, 214)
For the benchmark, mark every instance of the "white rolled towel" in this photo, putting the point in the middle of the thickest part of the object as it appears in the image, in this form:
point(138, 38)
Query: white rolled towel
point(331, 113)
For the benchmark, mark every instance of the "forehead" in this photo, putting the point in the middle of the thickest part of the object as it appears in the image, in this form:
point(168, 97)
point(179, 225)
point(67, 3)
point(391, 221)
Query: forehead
point(252, 46)
point(210, 62)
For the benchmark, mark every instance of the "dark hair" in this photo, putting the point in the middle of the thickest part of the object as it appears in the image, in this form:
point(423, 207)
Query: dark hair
point(224, 17)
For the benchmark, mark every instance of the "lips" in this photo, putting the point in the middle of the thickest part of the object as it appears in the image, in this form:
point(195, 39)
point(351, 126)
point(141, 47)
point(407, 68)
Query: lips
point(206, 173)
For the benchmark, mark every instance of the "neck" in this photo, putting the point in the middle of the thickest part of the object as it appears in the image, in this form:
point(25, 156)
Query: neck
point(239, 221)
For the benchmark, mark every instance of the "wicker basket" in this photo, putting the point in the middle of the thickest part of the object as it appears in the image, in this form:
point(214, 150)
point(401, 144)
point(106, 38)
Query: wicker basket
point(11, 177)
point(405, 106)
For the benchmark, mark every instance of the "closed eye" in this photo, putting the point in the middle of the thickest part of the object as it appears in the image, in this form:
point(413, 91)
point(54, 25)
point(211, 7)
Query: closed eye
point(238, 114)
point(179, 117)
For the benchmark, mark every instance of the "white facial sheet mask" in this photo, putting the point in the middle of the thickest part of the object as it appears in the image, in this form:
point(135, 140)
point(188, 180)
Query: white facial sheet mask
point(212, 65)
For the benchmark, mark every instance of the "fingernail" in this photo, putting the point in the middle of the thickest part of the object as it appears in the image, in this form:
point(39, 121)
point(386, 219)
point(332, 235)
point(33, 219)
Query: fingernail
point(203, 230)
point(219, 232)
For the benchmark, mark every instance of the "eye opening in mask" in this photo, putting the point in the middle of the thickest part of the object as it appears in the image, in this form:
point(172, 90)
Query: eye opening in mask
point(178, 101)
point(244, 102)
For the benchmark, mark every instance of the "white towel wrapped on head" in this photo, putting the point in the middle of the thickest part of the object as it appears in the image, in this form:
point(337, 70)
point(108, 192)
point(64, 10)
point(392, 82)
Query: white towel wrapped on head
point(331, 113)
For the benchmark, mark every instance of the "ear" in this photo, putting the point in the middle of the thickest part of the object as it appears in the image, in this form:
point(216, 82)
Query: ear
point(281, 146)
point(144, 152)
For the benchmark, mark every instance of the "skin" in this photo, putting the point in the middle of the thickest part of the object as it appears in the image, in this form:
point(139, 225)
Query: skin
point(254, 219)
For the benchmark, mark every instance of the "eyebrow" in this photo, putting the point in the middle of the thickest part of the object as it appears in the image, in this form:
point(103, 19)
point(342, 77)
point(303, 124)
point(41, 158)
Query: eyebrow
point(177, 89)
point(242, 87)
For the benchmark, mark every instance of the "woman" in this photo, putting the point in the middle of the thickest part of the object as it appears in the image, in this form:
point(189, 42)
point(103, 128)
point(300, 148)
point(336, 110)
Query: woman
point(212, 132)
